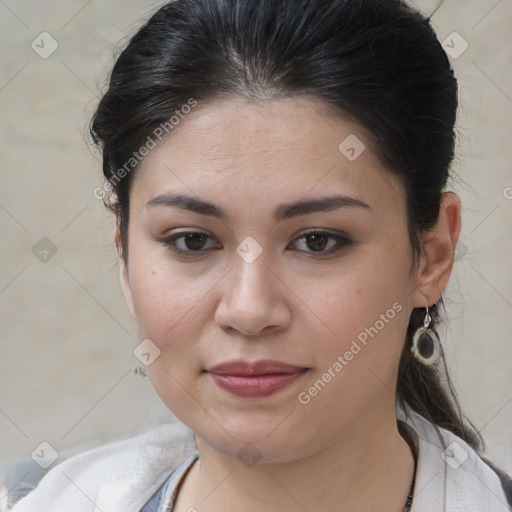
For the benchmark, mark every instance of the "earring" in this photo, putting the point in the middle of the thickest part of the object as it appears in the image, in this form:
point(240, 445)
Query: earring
point(426, 345)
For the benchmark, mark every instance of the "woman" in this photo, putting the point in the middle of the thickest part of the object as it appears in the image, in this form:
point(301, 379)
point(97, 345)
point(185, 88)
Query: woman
point(277, 171)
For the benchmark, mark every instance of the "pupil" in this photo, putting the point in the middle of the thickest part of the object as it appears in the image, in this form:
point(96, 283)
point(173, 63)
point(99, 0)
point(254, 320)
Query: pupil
point(194, 241)
point(319, 241)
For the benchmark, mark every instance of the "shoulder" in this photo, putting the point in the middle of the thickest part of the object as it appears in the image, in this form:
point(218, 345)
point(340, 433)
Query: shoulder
point(451, 475)
point(506, 480)
point(114, 477)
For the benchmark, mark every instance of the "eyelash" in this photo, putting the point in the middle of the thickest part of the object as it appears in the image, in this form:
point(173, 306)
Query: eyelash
point(342, 241)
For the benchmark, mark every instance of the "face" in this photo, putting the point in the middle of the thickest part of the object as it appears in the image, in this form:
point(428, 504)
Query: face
point(253, 264)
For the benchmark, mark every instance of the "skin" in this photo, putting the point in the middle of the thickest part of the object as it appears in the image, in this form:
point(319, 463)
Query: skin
point(342, 450)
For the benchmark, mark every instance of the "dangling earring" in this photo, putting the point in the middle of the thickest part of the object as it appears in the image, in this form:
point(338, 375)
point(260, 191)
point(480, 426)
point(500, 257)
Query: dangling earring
point(426, 345)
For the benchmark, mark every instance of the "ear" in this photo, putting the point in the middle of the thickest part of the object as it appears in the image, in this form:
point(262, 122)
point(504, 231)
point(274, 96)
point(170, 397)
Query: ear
point(438, 252)
point(123, 270)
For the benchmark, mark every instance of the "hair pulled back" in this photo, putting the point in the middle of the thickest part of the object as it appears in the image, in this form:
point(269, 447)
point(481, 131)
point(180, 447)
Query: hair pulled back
point(377, 62)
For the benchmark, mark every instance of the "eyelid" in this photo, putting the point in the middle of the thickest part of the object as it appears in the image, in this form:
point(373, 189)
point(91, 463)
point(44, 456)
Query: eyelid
point(343, 240)
point(180, 235)
point(323, 231)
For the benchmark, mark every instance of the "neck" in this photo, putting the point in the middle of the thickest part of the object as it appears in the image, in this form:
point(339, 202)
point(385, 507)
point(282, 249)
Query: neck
point(369, 466)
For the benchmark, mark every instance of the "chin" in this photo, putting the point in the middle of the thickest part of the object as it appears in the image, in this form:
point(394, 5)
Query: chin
point(251, 444)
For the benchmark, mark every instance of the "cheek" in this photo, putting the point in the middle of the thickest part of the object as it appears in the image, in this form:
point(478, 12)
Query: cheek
point(357, 368)
point(168, 310)
point(352, 300)
point(165, 297)
point(366, 310)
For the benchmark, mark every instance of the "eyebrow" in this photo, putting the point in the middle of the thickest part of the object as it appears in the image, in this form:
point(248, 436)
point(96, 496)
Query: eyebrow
point(282, 212)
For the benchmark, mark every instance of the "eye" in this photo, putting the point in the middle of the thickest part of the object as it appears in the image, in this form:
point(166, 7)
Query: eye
point(196, 242)
point(319, 241)
point(187, 242)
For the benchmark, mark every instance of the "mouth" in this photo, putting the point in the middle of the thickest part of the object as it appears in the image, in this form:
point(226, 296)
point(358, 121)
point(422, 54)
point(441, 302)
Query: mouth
point(255, 379)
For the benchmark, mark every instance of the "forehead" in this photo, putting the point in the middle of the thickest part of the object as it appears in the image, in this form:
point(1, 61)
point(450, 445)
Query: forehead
point(269, 149)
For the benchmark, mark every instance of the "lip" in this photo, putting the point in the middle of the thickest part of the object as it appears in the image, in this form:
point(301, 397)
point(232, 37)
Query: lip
point(255, 379)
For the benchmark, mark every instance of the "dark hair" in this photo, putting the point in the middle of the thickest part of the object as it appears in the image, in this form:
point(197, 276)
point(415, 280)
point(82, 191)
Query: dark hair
point(377, 62)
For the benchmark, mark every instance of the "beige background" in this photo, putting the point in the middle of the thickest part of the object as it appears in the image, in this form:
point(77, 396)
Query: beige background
point(66, 337)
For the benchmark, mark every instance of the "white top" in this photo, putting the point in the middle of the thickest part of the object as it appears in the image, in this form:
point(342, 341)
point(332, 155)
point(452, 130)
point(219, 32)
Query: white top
point(123, 476)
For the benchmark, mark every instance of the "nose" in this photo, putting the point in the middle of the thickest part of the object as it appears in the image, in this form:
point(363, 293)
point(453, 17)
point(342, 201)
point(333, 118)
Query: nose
point(253, 300)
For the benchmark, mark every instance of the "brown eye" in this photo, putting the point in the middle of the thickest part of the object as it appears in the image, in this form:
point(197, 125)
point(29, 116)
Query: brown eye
point(317, 241)
point(187, 242)
point(323, 243)
point(194, 241)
